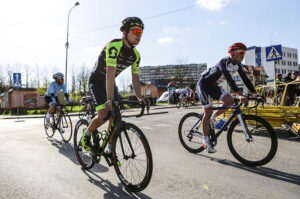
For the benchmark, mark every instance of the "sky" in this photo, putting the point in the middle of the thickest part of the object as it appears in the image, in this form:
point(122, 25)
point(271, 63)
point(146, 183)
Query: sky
point(34, 32)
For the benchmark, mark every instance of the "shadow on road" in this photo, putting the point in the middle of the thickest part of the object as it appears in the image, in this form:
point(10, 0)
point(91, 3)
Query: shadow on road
point(67, 150)
point(285, 135)
point(112, 191)
point(264, 171)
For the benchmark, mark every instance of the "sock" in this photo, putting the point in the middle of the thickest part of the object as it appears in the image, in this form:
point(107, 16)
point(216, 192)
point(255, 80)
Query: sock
point(48, 116)
point(205, 139)
point(87, 132)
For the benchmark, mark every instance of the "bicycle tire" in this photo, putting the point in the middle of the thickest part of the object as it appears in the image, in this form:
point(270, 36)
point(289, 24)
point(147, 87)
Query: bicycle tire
point(64, 125)
point(84, 158)
point(184, 131)
point(122, 159)
point(48, 129)
point(264, 136)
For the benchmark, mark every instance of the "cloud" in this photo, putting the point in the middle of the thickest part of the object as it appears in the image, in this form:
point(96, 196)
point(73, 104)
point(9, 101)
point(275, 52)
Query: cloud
point(222, 22)
point(209, 22)
point(164, 39)
point(212, 5)
point(175, 29)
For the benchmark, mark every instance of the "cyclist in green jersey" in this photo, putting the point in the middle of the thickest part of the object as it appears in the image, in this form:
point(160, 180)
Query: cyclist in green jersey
point(115, 57)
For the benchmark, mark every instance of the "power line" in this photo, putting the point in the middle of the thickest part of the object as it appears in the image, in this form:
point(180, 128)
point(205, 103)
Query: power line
point(147, 18)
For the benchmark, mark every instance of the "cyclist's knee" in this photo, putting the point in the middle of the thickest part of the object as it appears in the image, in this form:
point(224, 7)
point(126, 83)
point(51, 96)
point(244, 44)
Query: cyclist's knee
point(228, 100)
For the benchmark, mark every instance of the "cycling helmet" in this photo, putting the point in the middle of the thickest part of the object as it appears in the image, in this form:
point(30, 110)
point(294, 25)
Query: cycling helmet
point(58, 75)
point(279, 75)
point(237, 46)
point(131, 21)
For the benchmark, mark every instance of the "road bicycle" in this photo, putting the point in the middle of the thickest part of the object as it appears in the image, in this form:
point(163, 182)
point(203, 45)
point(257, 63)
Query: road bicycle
point(131, 154)
point(61, 121)
point(250, 138)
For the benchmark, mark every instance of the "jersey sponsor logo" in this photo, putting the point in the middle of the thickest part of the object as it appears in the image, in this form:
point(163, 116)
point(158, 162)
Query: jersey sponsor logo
point(112, 52)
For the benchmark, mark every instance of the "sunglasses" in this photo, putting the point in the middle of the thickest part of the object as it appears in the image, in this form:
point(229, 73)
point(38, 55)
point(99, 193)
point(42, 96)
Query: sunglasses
point(137, 31)
point(241, 52)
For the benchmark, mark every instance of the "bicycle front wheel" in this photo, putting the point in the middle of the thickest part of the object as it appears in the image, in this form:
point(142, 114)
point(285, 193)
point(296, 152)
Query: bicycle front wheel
point(132, 158)
point(85, 158)
point(261, 146)
point(48, 127)
point(65, 127)
point(190, 132)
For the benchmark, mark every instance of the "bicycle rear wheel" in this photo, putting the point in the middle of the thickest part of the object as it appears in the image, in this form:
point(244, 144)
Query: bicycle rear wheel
point(85, 158)
point(65, 127)
point(48, 128)
point(190, 134)
point(260, 148)
point(132, 158)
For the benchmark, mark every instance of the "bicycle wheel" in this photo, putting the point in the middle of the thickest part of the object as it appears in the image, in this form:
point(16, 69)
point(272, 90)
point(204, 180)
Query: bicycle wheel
point(48, 128)
point(132, 158)
point(85, 158)
point(190, 132)
point(260, 148)
point(65, 127)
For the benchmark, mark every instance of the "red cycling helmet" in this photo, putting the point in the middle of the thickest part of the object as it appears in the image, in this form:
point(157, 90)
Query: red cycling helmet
point(279, 75)
point(237, 46)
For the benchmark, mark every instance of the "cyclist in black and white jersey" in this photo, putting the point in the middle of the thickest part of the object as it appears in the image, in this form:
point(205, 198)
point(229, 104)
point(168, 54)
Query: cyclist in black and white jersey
point(116, 56)
point(208, 87)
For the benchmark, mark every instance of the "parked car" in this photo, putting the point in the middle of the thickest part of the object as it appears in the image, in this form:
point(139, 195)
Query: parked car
point(164, 97)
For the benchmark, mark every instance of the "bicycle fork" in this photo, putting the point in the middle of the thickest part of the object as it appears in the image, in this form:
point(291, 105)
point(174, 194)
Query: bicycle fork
point(245, 129)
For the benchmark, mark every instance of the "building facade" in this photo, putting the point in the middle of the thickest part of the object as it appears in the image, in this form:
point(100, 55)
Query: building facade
point(22, 97)
point(256, 56)
point(182, 75)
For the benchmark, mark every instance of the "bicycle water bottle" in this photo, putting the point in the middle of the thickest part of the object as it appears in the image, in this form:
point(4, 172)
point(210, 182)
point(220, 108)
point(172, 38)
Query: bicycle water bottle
point(220, 123)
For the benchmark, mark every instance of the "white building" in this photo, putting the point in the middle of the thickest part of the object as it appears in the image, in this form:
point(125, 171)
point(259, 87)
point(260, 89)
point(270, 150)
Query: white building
point(256, 56)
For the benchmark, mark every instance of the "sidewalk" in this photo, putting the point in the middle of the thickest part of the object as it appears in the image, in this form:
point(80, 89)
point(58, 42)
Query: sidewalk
point(158, 109)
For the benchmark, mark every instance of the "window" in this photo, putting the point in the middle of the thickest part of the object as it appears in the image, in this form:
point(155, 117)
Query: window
point(283, 71)
point(284, 54)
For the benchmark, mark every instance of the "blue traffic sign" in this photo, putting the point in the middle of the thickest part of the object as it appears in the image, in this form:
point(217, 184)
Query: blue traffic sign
point(17, 80)
point(273, 53)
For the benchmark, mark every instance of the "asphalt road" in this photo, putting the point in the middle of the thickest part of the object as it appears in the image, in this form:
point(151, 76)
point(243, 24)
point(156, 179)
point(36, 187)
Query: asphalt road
point(32, 166)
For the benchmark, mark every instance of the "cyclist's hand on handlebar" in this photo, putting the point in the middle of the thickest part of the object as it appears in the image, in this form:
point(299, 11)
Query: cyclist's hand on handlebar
point(108, 104)
point(142, 100)
point(243, 99)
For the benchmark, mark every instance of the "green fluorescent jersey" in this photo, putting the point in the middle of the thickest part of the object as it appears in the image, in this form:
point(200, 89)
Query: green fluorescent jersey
point(118, 55)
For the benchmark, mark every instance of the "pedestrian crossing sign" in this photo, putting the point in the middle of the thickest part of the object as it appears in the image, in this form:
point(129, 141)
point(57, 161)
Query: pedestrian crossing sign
point(273, 53)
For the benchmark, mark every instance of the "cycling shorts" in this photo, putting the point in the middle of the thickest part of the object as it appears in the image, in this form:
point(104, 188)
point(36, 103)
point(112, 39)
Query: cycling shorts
point(97, 88)
point(205, 93)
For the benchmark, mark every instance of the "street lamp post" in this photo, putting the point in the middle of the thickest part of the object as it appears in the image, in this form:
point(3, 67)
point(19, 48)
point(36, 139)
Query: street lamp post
point(67, 44)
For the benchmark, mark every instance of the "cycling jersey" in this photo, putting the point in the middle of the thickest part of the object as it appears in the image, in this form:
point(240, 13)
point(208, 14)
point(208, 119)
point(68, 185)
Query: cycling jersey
point(207, 86)
point(118, 55)
point(53, 91)
point(224, 70)
point(115, 54)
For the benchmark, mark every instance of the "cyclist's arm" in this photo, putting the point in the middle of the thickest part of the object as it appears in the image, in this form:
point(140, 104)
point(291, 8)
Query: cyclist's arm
point(136, 85)
point(110, 82)
point(246, 80)
point(66, 93)
point(111, 53)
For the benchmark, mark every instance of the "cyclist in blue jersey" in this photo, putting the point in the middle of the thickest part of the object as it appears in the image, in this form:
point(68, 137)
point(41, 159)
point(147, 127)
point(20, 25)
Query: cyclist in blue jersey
point(115, 57)
point(208, 87)
point(52, 92)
